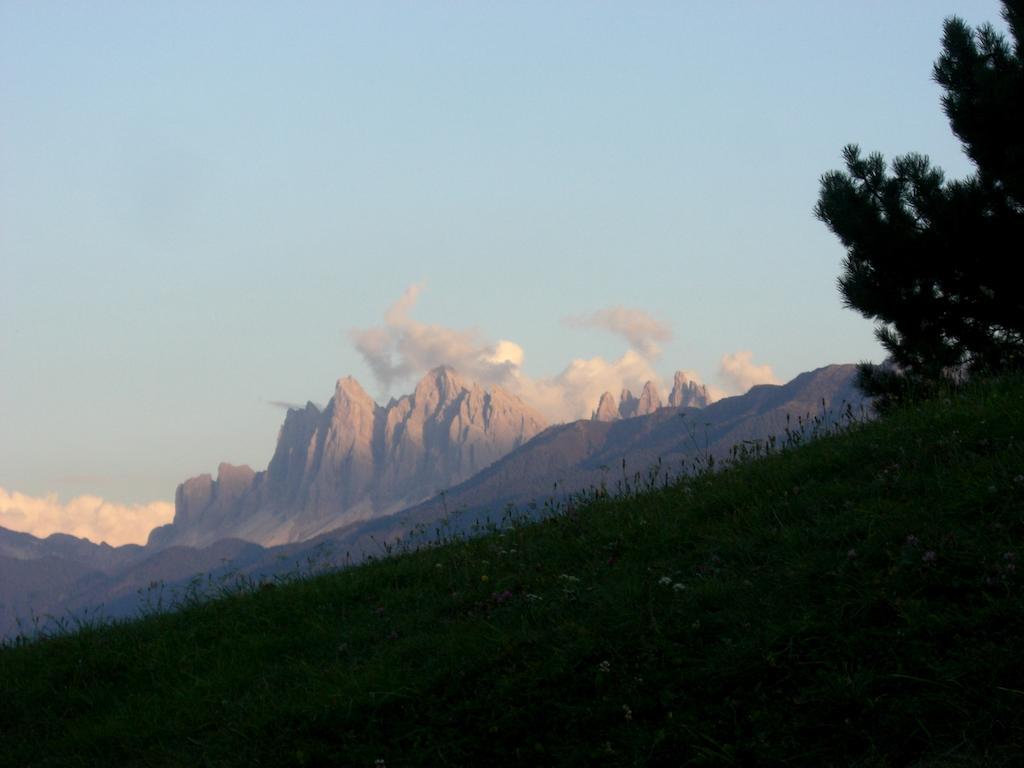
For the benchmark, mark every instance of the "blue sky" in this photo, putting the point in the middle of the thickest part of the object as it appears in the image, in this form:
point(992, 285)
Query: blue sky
point(200, 202)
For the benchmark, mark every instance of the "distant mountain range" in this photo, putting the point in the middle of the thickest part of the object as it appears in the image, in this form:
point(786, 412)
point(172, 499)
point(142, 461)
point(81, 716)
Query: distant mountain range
point(567, 458)
point(354, 475)
point(353, 461)
point(685, 394)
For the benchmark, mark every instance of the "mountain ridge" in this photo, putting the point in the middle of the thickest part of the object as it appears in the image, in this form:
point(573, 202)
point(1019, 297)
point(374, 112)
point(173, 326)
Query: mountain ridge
point(562, 459)
point(582, 454)
point(352, 461)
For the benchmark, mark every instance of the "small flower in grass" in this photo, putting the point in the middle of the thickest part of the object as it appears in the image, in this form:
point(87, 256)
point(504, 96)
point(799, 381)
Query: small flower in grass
point(533, 598)
point(851, 554)
point(677, 587)
point(627, 712)
point(929, 556)
point(567, 577)
point(1019, 479)
point(912, 540)
point(605, 667)
point(379, 763)
point(485, 577)
point(665, 580)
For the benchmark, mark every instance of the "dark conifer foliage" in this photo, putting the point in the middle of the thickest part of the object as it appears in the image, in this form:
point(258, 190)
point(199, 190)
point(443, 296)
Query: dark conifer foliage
point(934, 262)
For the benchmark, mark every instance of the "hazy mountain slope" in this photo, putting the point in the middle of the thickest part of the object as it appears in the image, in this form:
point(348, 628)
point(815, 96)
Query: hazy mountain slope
point(35, 587)
point(586, 454)
point(101, 557)
point(42, 581)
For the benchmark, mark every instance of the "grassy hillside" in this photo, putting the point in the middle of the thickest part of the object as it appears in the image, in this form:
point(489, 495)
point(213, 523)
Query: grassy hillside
point(856, 601)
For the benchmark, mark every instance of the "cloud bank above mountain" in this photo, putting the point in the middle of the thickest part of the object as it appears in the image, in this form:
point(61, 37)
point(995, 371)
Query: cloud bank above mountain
point(87, 517)
point(402, 348)
point(634, 325)
point(739, 372)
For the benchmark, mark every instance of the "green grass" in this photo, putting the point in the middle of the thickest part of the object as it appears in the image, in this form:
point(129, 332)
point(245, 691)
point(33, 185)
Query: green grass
point(857, 601)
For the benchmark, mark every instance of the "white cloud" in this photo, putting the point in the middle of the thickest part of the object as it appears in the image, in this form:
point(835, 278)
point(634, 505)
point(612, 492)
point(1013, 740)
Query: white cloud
point(506, 352)
point(640, 329)
point(88, 517)
point(739, 372)
point(574, 393)
point(403, 347)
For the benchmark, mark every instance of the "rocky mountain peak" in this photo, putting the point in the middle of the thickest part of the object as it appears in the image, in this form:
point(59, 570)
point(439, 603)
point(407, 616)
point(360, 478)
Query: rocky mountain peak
point(627, 404)
point(349, 390)
point(649, 401)
point(234, 479)
point(355, 460)
point(438, 387)
point(607, 408)
point(687, 393)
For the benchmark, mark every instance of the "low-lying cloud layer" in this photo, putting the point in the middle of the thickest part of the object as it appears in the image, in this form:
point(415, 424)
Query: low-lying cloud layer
point(88, 517)
point(403, 348)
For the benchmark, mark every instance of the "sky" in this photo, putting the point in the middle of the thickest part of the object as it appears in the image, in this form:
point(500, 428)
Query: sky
point(209, 211)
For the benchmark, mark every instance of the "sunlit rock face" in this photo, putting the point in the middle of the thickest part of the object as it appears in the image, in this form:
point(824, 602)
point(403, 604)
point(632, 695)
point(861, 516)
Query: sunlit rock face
point(354, 460)
point(649, 400)
point(629, 406)
point(686, 393)
point(607, 409)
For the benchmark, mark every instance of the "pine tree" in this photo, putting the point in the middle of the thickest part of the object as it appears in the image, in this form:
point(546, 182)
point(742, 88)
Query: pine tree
point(934, 262)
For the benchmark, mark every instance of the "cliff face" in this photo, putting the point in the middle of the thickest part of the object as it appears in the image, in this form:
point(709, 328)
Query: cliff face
point(607, 408)
point(686, 393)
point(352, 461)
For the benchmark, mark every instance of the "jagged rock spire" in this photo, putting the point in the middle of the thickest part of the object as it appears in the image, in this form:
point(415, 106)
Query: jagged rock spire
point(649, 401)
point(607, 408)
point(687, 393)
